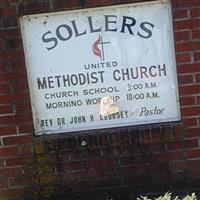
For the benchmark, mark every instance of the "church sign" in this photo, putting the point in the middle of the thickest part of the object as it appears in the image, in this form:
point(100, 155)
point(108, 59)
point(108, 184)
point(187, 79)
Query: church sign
point(102, 67)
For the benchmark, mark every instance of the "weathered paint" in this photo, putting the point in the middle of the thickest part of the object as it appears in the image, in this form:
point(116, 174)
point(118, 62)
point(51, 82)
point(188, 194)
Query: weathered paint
point(135, 67)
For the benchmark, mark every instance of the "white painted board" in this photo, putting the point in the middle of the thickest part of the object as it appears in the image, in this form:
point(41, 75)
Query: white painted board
point(102, 67)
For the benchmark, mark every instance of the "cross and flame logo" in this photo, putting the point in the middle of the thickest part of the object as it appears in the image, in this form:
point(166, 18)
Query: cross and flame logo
point(99, 51)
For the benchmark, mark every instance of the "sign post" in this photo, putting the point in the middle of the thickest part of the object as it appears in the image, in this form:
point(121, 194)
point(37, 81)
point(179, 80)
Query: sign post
point(101, 68)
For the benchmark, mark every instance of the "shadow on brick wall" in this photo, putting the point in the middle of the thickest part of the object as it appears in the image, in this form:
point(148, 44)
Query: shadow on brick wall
point(114, 164)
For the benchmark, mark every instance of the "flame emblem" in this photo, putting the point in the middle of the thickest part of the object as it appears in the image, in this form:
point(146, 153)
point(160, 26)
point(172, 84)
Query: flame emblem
point(98, 48)
point(95, 47)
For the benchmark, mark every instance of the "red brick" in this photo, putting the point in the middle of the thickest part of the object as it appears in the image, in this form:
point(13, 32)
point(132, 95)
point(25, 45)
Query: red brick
point(195, 12)
point(22, 118)
point(193, 153)
point(62, 4)
point(8, 120)
point(92, 3)
point(186, 24)
point(9, 152)
point(181, 25)
point(194, 111)
point(197, 56)
point(188, 68)
point(193, 164)
point(172, 156)
point(16, 192)
point(7, 130)
point(198, 99)
point(183, 58)
point(195, 23)
point(11, 55)
point(194, 173)
point(2, 164)
point(190, 89)
point(196, 34)
point(23, 107)
point(26, 128)
point(20, 85)
point(184, 101)
point(20, 161)
point(107, 3)
point(187, 46)
point(190, 122)
point(175, 145)
point(178, 165)
point(78, 165)
point(20, 97)
point(178, 132)
point(3, 183)
point(18, 65)
point(6, 99)
point(34, 8)
point(3, 77)
point(15, 76)
point(14, 1)
point(180, 14)
point(4, 3)
point(7, 11)
point(2, 68)
point(192, 132)
point(184, 3)
point(185, 79)
point(4, 88)
point(11, 172)
point(181, 36)
point(23, 180)
point(10, 33)
point(13, 44)
point(27, 149)
point(5, 109)
point(1, 44)
point(20, 139)
point(191, 143)
point(2, 65)
point(9, 21)
point(198, 78)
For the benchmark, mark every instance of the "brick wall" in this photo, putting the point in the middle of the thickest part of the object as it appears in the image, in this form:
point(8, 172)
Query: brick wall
point(102, 164)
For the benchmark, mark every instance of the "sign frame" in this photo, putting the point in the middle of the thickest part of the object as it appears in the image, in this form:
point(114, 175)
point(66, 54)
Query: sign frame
point(109, 104)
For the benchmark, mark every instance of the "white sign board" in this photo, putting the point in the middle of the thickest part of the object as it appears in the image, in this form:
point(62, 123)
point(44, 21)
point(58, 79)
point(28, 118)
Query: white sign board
point(101, 68)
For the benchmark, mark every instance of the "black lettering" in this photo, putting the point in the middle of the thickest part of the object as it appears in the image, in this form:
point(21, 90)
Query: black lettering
point(146, 30)
point(74, 79)
point(107, 22)
point(162, 69)
point(114, 75)
point(101, 75)
point(151, 71)
point(58, 80)
point(82, 79)
point(43, 84)
point(64, 27)
point(143, 72)
point(93, 76)
point(66, 80)
point(92, 30)
point(127, 25)
point(76, 30)
point(125, 74)
point(50, 81)
point(51, 39)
